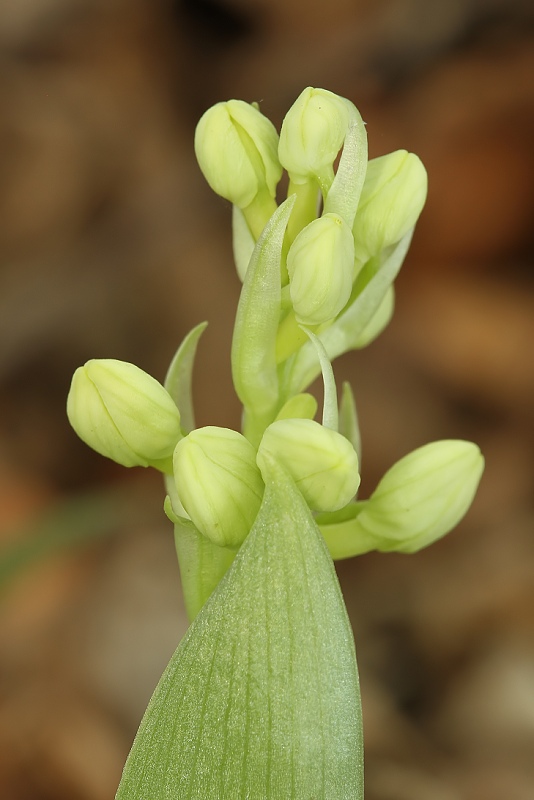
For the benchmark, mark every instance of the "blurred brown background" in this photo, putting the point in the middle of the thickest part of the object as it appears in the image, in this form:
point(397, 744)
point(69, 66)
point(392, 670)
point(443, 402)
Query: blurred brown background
point(113, 246)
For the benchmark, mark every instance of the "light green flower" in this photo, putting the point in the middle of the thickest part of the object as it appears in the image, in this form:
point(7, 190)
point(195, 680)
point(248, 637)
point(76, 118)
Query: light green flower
point(123, 413)
point(236, 148)
point(323, 464)
point(320, 264)
point(312, 135)
point(423, 496)
point(218, 483)
point(392, 198)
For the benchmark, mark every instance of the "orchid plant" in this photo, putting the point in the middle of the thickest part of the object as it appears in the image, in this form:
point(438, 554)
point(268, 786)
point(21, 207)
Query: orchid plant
point(261, 699)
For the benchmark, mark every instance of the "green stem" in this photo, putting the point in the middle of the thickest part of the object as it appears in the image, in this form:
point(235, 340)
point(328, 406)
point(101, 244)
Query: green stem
point(289, 338)
point(259, 212)
point(305, 208)
point(254, 425)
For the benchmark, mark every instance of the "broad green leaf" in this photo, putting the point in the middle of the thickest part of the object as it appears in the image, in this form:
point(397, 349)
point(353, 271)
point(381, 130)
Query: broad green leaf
point(346, 332)
point(253, 346)
point(261, 699)
point(179, 376)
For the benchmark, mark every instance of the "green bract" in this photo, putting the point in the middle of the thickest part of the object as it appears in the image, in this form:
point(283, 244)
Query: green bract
point(320, 264)
point(218, 483)
point(323, 464)
point(236, 147)
point(392, 198)
point(123, 413)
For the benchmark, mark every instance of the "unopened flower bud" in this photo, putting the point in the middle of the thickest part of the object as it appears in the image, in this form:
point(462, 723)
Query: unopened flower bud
point(124, 413)
point(320, 264)
point(312, 135)
point(392, 199)
point(218, 483)
point(323, 464)
point(236, 148)
point(423, 496)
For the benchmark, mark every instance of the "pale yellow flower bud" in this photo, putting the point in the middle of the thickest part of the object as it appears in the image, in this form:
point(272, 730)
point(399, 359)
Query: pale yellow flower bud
point(236, 148)
point(423, 496)
point(312, 135)
point(218, 483)
point(323, 464)
point(123, 413)
point(320, 264)
point(393, 196)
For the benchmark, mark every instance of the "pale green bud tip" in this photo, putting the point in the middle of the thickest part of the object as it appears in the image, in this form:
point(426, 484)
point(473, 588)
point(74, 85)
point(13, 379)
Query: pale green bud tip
point(218, 483)
point(123, 413)
point(323, 464)
point(423, 496)
point(236, 148)
point(312, 134)
point(392, 199)
point(320, 264)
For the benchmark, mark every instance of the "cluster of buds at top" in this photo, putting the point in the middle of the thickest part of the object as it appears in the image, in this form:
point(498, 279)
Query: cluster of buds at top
point(367, 206)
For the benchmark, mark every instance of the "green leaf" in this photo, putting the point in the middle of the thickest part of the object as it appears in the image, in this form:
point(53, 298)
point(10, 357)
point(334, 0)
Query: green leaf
point(180, 373)
point(261, 699)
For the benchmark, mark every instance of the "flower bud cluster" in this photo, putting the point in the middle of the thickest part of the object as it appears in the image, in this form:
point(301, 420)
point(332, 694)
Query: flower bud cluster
point(125, 414)
point(241, 156)
point(311, 260)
